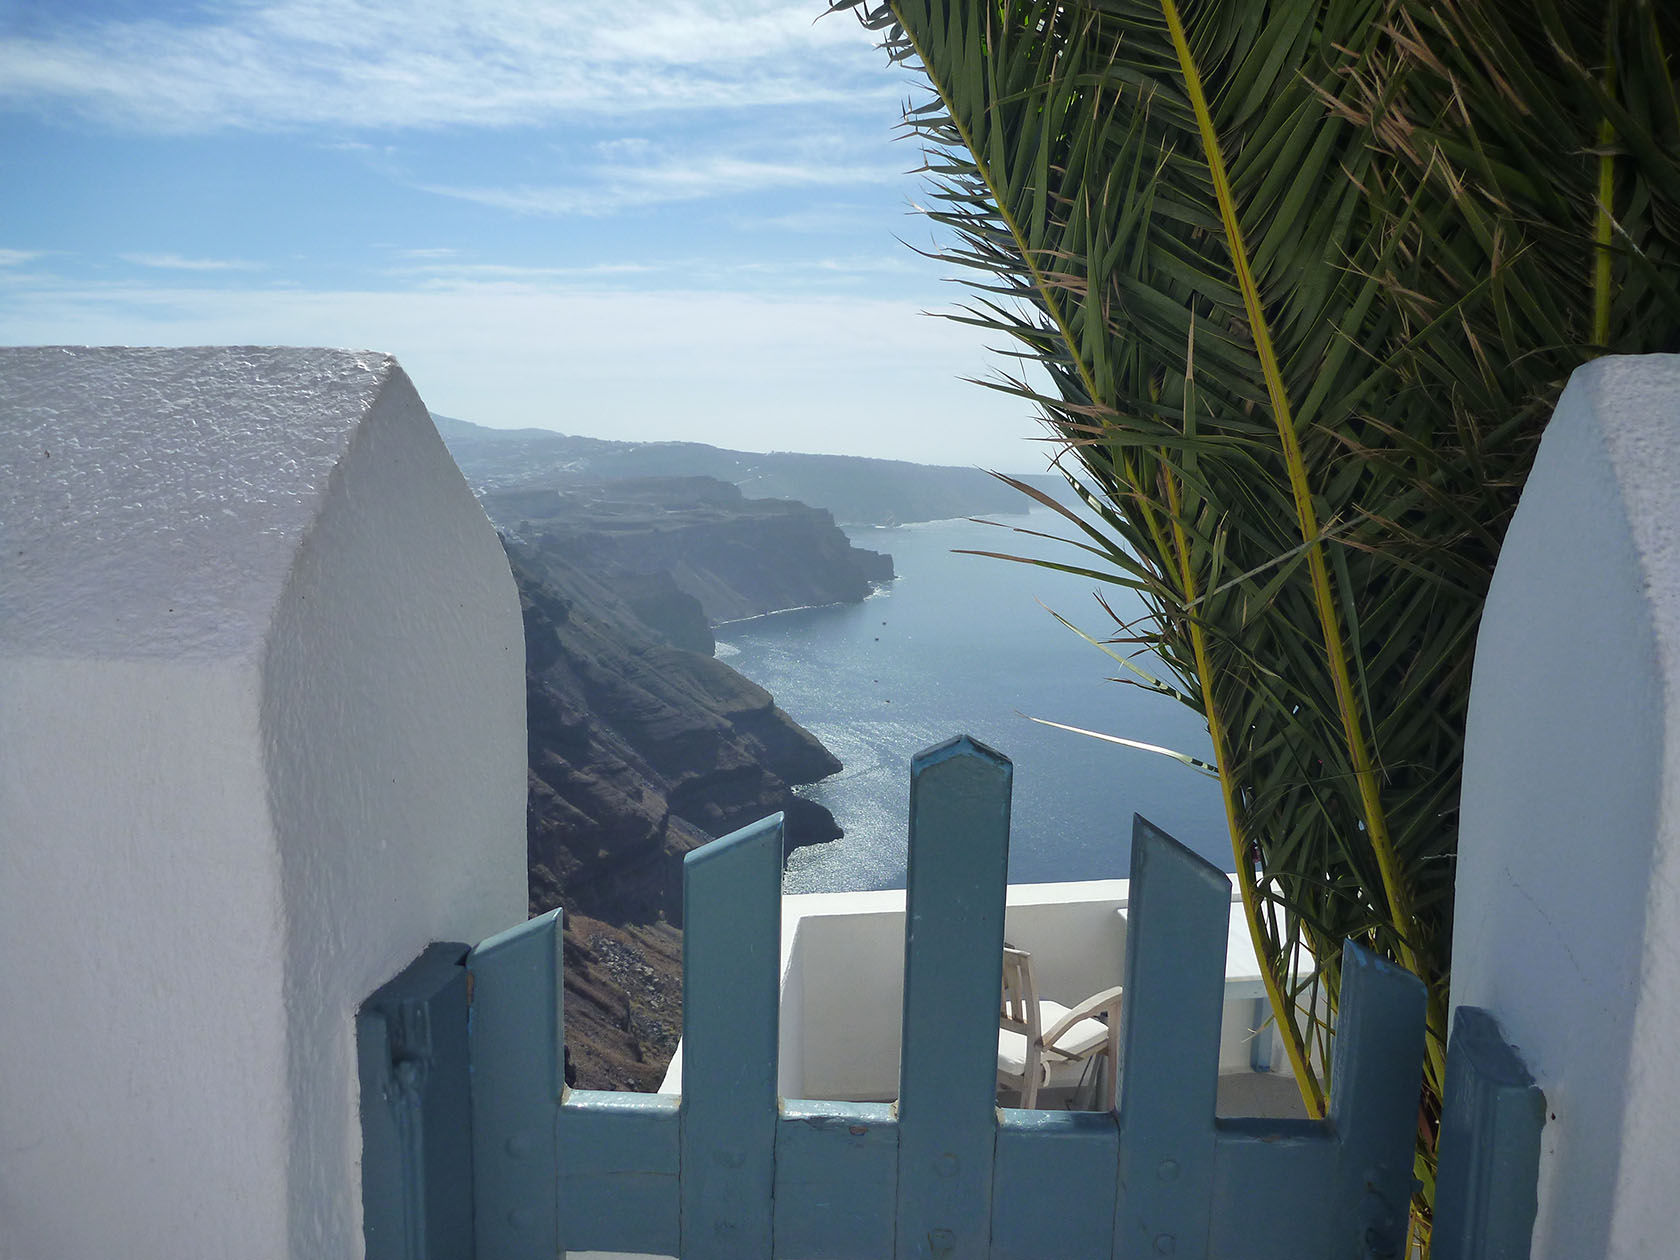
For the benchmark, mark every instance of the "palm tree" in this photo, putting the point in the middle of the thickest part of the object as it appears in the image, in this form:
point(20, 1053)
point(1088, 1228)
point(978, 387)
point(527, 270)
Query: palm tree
point(1305, 279)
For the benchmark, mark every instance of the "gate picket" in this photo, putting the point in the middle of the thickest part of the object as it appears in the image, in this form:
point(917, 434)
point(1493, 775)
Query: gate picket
point(1065, 1158)
point(732, 949)
point(517, 1032)
point(953, 974)
point(836, 1180)
point(1178, 910)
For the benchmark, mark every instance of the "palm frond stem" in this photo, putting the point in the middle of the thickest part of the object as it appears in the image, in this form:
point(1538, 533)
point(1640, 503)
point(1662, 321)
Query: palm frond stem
point(1393, 878)
point(1603, 211)
point(1312, 1093)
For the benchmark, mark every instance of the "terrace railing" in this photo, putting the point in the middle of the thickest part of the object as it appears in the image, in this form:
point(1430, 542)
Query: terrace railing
point(473, 1145)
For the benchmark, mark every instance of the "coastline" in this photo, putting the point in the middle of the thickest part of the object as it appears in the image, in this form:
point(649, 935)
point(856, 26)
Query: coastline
point(875, 589)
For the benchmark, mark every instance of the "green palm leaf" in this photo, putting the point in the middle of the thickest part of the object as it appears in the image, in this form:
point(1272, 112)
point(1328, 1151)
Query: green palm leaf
point(1305, 279)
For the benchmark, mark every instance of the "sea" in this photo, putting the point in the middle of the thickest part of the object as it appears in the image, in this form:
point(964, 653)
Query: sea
point(962, 644)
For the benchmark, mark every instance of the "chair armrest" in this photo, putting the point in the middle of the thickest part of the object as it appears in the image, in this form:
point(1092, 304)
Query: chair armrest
point(1105, 1003)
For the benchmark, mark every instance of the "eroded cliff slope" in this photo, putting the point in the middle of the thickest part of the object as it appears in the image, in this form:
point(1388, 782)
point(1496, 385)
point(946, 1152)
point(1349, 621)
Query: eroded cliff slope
point(639, 751)
point(643, 747)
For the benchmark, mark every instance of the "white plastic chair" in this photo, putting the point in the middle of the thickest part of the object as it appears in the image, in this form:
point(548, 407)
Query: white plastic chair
point(1037, 1035)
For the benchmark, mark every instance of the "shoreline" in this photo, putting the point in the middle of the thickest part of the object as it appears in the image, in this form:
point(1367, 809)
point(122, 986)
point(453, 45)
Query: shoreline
point(875, 588)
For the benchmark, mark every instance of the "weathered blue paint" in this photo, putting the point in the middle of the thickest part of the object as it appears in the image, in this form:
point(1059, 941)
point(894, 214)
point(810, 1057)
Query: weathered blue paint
point(411, 1050)
point(836, 1180)
point(1060, 1158)
point(732, 946)
point(1491, 1119)
point(619, 1166)
point(953, 975)
point(1179, 907)
point(517, 1030)
point(1269, 1192)
point(1376, 1072)
point(723, 1173)
point(1290, 1188)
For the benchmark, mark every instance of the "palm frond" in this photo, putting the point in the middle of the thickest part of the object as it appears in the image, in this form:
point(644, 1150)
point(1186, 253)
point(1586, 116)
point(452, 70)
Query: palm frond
point(1304, 279)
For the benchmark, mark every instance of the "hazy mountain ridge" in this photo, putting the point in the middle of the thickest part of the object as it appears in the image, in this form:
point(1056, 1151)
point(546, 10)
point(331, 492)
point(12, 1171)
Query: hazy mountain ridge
point(661, 541)
point(856, 490)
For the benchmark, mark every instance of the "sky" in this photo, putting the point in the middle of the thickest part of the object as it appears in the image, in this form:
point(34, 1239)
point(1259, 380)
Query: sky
point(649, 220)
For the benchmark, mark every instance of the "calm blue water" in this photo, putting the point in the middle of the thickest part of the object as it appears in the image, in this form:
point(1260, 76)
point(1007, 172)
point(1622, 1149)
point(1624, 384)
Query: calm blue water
point(960, 644)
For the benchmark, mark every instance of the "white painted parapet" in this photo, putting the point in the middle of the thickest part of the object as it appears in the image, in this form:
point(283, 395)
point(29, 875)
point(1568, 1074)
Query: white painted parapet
point(261, 739)
point(1568, 894)
point(842, 983)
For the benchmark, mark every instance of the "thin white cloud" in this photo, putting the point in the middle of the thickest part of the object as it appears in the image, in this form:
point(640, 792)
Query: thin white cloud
point(12, 257)
point(625, 148)
point(447, 273)
point(624, 189)
point(175, 262)
point(824, 219)
point(818, 271)
point(369, 64)
point(710, 273)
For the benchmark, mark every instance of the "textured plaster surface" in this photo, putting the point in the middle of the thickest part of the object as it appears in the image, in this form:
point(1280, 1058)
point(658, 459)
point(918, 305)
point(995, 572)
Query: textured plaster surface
point(1640, 402)
point(394, 737)
point(254, 755)
point(168, 488)
point(1568, 919)
point(142, 1043)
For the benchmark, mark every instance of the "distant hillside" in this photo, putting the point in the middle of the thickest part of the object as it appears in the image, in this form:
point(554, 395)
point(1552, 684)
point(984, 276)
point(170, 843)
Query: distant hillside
point(857, 491)
point(661, 540)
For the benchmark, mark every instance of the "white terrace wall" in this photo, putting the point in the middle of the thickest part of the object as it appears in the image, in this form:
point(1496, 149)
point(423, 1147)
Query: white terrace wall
point(842, 981)
point(1568, 897)
point(261, 739)
point(842, 986)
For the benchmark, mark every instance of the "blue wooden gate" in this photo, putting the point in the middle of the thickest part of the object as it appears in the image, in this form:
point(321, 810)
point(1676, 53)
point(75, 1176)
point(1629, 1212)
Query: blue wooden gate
point(731, 1170)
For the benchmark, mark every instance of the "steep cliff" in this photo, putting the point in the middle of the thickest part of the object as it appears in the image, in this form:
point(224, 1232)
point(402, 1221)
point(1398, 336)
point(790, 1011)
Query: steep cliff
point(640, 750)
point(642, 746)
point(737, 557)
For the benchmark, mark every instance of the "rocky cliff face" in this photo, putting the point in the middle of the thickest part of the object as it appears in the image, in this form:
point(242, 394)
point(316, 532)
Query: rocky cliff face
point(642, 746)
point(736, 557)
point(640, 750)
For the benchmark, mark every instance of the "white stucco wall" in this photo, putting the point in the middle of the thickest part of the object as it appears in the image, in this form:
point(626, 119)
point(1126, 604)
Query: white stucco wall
point(1568, 892)
point(843, 976)
point(261, 739)
point(842, 990)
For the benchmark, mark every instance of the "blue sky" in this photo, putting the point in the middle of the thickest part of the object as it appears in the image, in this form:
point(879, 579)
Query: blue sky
point(684, 224)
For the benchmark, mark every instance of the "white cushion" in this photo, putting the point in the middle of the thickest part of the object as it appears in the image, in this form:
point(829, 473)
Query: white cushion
point(1085, 1036)
point(1082, 1038)
point(1012, 1053)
